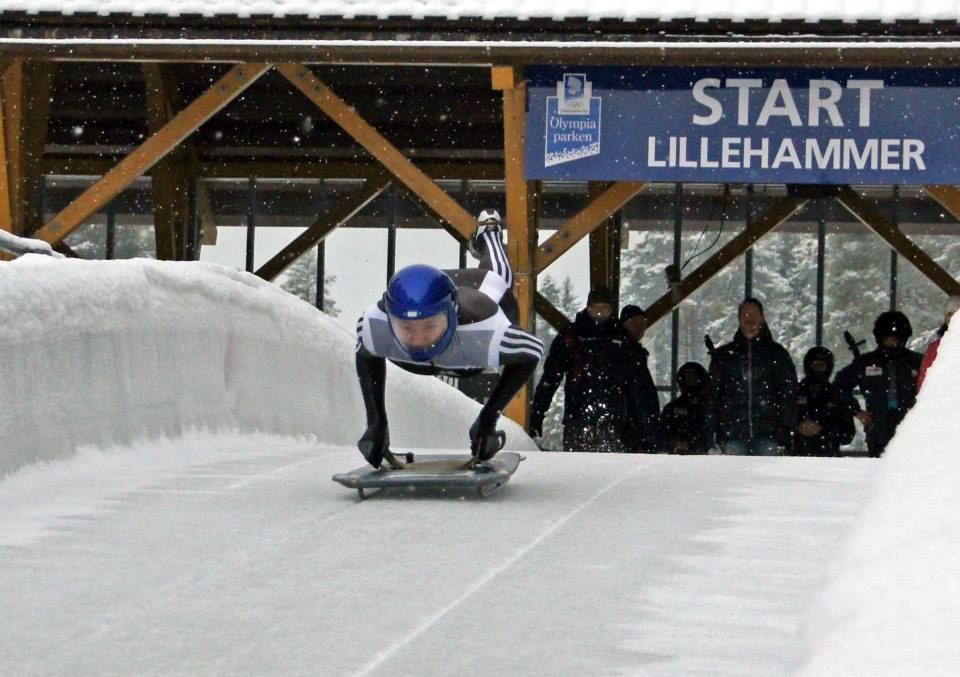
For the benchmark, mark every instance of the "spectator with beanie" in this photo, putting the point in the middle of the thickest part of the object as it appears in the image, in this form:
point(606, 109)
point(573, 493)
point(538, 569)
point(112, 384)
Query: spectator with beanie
point(953, 304)
point(824, 422)
point(641, 402)
point(683, 424)
point(586, 355)
point(753, 389)
point(888, 378)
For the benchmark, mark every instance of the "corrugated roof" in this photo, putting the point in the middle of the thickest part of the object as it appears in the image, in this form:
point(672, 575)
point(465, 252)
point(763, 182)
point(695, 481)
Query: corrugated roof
point(812, 11)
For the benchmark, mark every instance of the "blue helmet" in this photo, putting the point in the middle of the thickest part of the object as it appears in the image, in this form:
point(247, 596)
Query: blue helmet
point(417, 292)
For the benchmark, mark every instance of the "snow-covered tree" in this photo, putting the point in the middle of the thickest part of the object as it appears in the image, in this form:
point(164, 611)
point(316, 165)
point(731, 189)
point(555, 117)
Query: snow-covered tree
point(300, 279)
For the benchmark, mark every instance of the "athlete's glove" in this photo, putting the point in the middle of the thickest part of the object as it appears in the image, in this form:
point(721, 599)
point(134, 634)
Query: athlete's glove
point(375, 443)
point(485, 439)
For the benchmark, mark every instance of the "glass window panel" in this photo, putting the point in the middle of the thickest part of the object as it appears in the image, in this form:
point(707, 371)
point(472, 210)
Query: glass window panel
point(785, 281)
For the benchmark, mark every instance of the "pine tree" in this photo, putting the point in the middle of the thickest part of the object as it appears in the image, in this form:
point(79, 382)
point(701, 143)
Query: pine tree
point(300, 279)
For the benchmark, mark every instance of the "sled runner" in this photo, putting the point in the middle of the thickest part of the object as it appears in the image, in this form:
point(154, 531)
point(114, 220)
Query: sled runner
point(437, 471)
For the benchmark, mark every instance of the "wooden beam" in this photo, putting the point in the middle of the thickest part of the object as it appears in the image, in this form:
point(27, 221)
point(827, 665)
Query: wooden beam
point(13, 112)
point(206, 214)
point(169, 180)
point(549, 312)
point(773, 217)
point(6, 221)
point(947, 196)
point(600, 208)
point(299, 168)
point(605, 250)
point(225, 90)
point(64, 248)
point(26, 103)
point(520, 218)
point(505, 78)
point(325, 224)
point(869, 216)
point(386, 153)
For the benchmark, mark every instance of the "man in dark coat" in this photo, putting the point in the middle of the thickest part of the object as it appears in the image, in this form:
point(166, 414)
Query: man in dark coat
point(641, 402)
point(887, 377)
point(753, 389)
point(587, 355)
point(824, 421)
point(683, 423)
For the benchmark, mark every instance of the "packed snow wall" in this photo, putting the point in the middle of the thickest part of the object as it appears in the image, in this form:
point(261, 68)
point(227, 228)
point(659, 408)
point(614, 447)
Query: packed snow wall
point(109, 352)
point(892, 603)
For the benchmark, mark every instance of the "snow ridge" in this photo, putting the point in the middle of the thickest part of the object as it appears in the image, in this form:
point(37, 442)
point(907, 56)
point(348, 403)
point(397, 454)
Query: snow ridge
point(107, 353)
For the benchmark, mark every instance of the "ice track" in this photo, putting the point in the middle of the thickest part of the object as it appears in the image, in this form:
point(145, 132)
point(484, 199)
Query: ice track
point(237, 555)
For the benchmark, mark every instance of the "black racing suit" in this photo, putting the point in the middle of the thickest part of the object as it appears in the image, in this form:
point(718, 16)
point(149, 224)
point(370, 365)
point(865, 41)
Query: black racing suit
point(486, 337)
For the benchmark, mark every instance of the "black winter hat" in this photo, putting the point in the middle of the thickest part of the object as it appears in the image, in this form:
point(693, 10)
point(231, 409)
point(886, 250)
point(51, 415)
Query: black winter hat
point(814, 354)
point(631, 311)
point(694, 369)
point(892, 323)
point(600, 295)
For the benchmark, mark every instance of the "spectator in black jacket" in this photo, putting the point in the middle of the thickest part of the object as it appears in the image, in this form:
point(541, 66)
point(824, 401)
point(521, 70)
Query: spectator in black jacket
point(641, 402)
point(683, 423)
point(587, 354)
point(887, 377)
point(824, 421)
point(753, 389)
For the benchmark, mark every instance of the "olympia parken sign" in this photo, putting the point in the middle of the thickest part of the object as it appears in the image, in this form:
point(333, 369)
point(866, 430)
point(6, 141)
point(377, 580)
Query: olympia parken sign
point(832, 126)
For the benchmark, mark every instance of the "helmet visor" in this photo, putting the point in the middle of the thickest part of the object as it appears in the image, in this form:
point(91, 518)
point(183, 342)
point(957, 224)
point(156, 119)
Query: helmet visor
point(421, 338)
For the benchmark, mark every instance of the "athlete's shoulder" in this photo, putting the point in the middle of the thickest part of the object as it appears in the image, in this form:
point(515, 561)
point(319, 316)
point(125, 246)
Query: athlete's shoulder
point(519, 344)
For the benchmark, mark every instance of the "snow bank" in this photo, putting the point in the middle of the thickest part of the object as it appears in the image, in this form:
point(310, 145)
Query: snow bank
point(113, 352)
point(892, 606)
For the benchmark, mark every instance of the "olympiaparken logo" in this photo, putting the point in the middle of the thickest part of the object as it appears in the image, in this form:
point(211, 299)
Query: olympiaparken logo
point(573, 121)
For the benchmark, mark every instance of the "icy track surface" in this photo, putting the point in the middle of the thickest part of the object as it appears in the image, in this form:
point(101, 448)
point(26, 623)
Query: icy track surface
point(238, 555)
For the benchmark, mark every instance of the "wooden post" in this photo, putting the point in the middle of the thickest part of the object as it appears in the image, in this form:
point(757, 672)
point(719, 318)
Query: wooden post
point(26, 104)
point(169, 180)
point(590, 217)
point(605, 250)
point(773, 217)
point(521, 212)
point(6, 220)
point(868, 215)
point(225, 90)
point(453, 217)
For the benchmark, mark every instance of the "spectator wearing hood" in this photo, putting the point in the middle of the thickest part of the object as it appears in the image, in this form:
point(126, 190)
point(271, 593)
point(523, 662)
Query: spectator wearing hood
point(641, 402)
point(888, 378)
point(753, 389)
point(683, 423)
point(824, 421)
point(953, 304)
point(587, 356)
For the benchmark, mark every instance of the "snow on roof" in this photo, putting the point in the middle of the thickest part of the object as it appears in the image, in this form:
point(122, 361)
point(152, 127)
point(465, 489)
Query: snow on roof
point(627, 10)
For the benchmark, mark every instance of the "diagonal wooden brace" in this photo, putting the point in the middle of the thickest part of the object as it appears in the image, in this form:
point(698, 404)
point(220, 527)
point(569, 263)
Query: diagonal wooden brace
point(208, 104)
point(770, 219)
point(325, 224)
point(590, 217)
point(549, 312)
point(868, 215)
point(438, 200)
point(947, 196)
